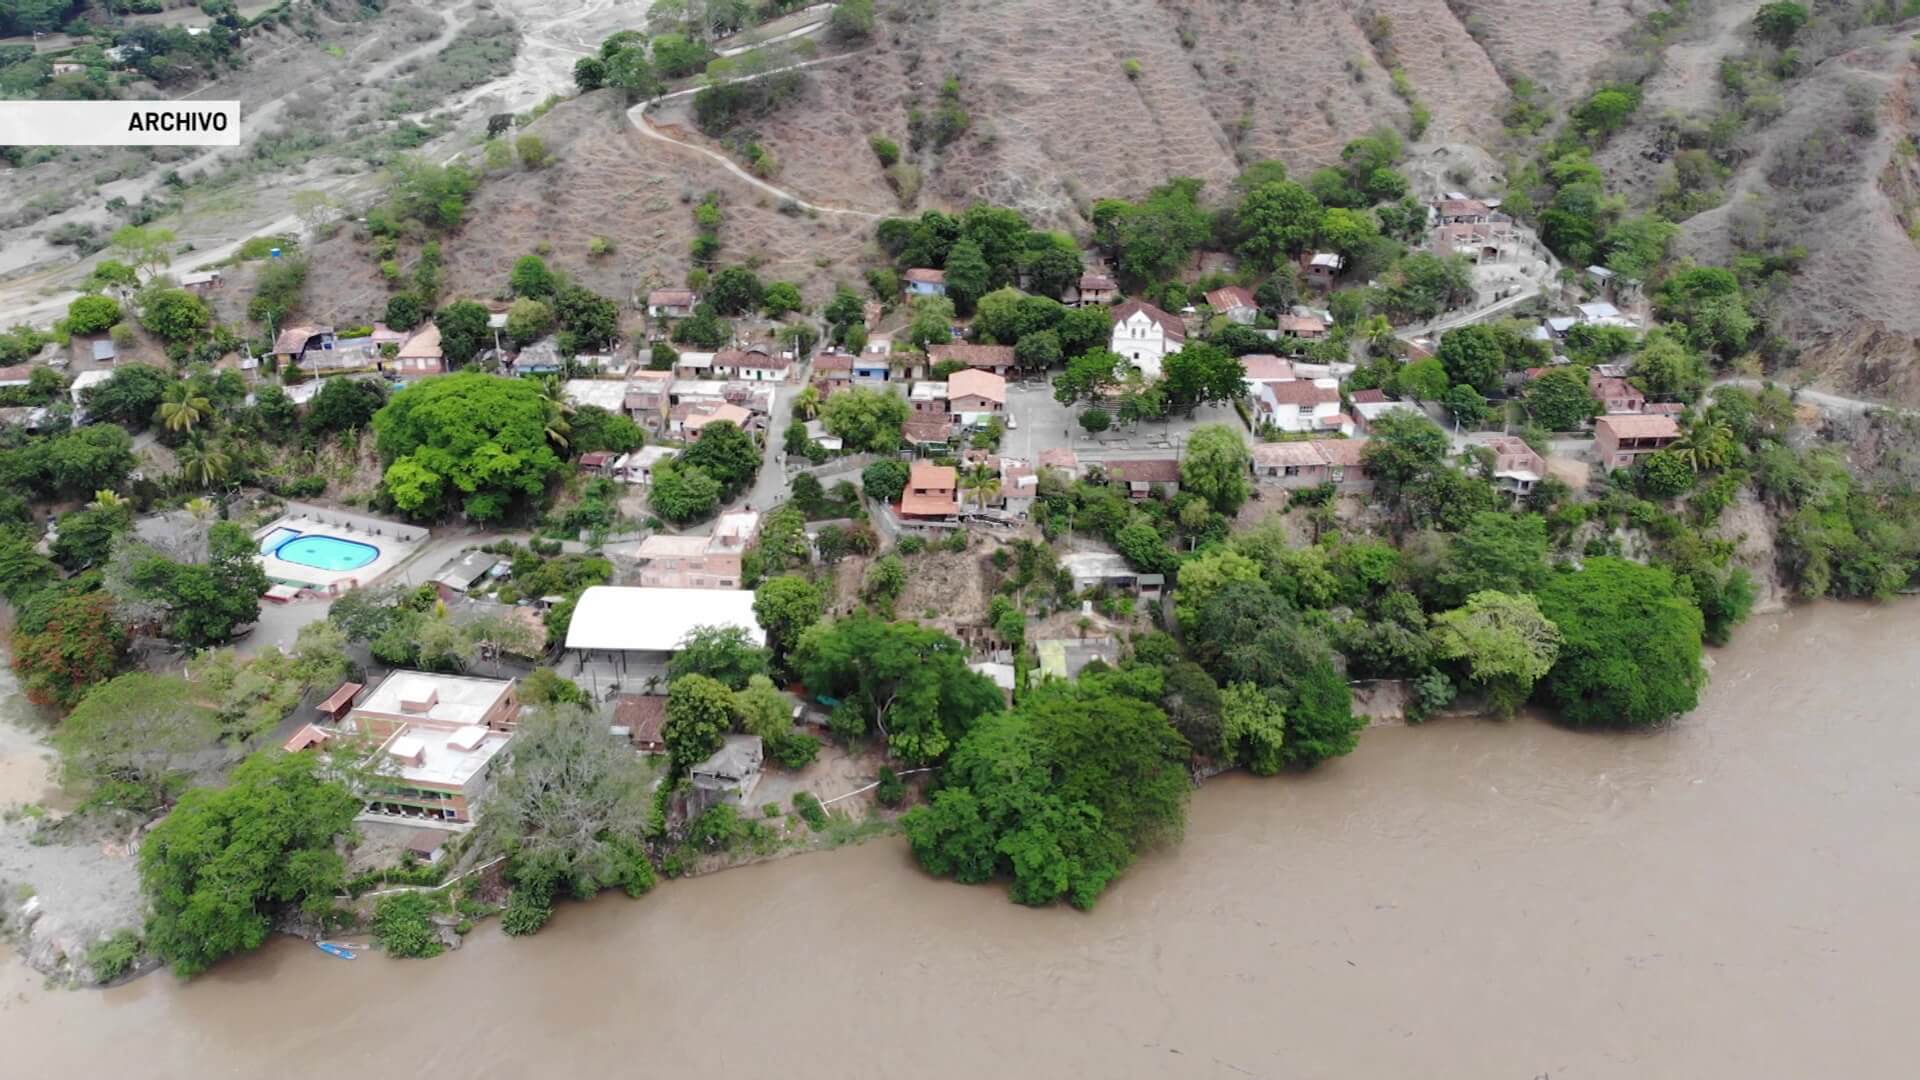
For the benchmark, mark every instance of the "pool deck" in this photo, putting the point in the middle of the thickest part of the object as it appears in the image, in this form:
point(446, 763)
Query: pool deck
point(393, 545)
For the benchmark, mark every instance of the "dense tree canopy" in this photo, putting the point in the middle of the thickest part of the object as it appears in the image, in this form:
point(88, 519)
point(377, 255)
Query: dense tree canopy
point(906, 682)
point(1630, 645)
point(467, 440)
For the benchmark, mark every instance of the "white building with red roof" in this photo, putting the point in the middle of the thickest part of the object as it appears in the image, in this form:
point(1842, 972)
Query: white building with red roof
point(1146, 336)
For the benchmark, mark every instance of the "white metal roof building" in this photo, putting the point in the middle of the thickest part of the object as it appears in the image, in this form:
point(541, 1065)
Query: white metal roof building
point(625, 619)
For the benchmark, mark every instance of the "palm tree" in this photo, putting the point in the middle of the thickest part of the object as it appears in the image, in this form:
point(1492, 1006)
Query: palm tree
point(203, 466)
point(807, 405)
point(553, 396)
point(983, 482)
point(181, 407)
point(1708, 445)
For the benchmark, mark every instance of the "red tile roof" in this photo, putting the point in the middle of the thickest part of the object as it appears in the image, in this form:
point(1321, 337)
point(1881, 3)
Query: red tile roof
point(1148, 471)
point(1303, 392)
point(927, 277)
point(1635, 426)
point(1096, 283)
point(1230, 297)
point(974, 356)
point(1265, 367)
point(643, 715)
point(1368, 397)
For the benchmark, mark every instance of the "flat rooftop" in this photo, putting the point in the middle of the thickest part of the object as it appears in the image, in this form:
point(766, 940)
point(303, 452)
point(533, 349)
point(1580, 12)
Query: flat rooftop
point(615, 618)
point(440, 755)
point(456, 700)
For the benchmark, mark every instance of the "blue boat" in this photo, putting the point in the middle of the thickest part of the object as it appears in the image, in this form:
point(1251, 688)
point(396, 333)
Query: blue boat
point(331, 949)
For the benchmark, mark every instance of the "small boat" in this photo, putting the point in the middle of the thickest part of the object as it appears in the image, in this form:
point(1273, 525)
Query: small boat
point(331, 949)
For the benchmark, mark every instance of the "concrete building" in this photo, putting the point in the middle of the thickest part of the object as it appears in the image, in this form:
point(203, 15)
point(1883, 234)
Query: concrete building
point(1141, 476)
point(1091, 289)
point(1324, 268)
point(921, 281)
point(1621, 441)
point(976, 396)
point(1615, 394)
point(731, 774)
point(932, 492)
point(1236, 303)
point(1517, 467)
point(438, 739)
point(1371, 405)
point(997, 359)
point(698, 562)
point(647, 397)
point(671, 303)
point(421, 355)
point(460, 575)
point(1310, 463)
point(1301, 406)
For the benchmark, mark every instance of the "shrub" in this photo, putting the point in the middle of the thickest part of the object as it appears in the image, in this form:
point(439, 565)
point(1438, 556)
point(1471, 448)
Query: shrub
point(794, 750)
point(892, 790)
point(810, 810)
point(403, 924)
point(114, 956)
point(885, 149)
point(528, 910)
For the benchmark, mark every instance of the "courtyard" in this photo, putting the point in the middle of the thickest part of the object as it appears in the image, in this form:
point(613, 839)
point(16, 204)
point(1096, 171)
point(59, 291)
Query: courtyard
point(1045, 424)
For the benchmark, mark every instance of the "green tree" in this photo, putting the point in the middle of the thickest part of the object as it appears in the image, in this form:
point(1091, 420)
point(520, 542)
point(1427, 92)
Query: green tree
point(909, 683)
point(92, 314)
point(1204, 576)
point(344, 405)
point(1777, 23)
point(1201, 373)
point(866, 419)
point(726, 453)
point(699, 714)
point(780, 298)
point(1096, 420)
point(786, 607)
point(725, 654)
point(884, 481)
point(1666, 369)
point(205, 602)
point(1497, 552)
point(1559, 399)
point(1501, 641)
point(1216, 467)
point(1473, 355)
point(735, 291)
point(463, 331)
point(147, 248)
point(175, 316)
point(1666, 474)
point(1089, 376)
point(130, 396)
point(1277, 221)
point(1348, 232)
point(1630, 645)
point(218, 867)
point(1425, 379)
point(528, 320)
point(403, 925)
point(468, 437)
point(931, 322)
point(683, 492)
point(1253, 727)
point(968, 276)
point(182, 407)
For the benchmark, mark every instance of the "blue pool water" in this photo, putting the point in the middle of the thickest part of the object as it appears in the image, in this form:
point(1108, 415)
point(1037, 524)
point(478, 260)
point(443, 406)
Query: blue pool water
point(275, 538)
point(326, 552)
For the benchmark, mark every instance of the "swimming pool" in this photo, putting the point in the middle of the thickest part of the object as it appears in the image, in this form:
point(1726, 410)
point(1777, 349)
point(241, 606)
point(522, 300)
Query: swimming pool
point(325, 552)
point(275, 538)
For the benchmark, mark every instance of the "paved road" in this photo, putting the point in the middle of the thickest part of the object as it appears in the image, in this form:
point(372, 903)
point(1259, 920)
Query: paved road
point(1833, 402)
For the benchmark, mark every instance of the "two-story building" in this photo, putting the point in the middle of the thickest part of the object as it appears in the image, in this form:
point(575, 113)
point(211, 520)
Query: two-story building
point(439, 738)
point(1090, 290)
point(975, 396)
point(649, 398)
point(932, 491)
point(698, 562)
point(1145, 336)
point(1323, 269)
point(1302, 405)
point(833, 371)
point(1517, 467)
point(1621, 441)
point(1616, 395)
point(755, 364)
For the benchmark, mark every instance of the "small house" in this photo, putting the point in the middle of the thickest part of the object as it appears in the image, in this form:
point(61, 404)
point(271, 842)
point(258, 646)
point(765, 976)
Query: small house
point(671, 303)
point(731, 774)
point(694, 365)
point(639, 719)
point(1517, 467)
point(1235, 302)
point(1458, 209)
point(294, 342)
point(1304, 327)
point(459, 576)
point(997, 359)
point(833, 371)
point(421, 355)
point(976, 396)
point(1301, 406)
point(1090, 290)
point(932, 492)
point(1142, 476)
point(1616, 395)
point(924, 282)
point(201, 282)
point(639, 465)
point(1370, 405)
point(1324, 268)
point(928, 399)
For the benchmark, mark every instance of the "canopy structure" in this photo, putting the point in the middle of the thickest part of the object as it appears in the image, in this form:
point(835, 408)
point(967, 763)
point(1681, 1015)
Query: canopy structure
point(612, 618)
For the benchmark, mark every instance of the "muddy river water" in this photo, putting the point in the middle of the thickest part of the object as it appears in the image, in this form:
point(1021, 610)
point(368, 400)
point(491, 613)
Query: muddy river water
point(1736, 897)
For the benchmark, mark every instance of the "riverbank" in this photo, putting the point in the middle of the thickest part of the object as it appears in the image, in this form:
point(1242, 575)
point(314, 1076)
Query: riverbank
point(1726, 897)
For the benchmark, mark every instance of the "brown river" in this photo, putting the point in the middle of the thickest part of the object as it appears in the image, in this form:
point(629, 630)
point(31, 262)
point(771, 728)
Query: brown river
point(1736, 897)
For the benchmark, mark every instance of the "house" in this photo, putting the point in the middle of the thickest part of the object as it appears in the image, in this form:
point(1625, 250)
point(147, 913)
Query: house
point(694, 365)
point(421, 354)
point(1019, 485)
point(731, 774)
point(1312, 462)
point(833, 371)
point(976, 396)
point(439, 737)
point(1346, 468)
point(928, 399)
point(639, 718)
point(871, 368)
point(923, 282)
point(642, 626)
point(1621, 441)
point(1060, 459)
point(16, 375)
point(647, 396)
point(1235, 302)
point(1146, 336)
point(671, 303)
point(1517, 467)
point(291, 344)
point(1615, 395)
point(595, 462)
point(928, 432)
point(751, 365)
point(1370, 405)
point(1142, 476)
point(697, 421)
point(1265, 367)
point(698, 562)
point(1004, 676)
point(67, 67)
point(1303, 405)
point(932, 491)
point(607, 394)
point(427, 845)
point(1092, 289)
point(201, 282)
point(459, 576)
point(1304, 327)
point(338, 704)
point(1324, 268)
point(995, 358)
point(1105, 570)
point(817, 432)
point(639, 465)
point(1458, 209)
